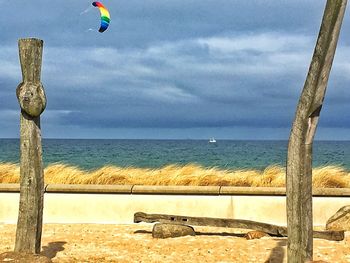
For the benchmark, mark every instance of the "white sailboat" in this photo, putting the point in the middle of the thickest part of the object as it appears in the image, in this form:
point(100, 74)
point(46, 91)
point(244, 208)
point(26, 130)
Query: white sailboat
point(212, 140)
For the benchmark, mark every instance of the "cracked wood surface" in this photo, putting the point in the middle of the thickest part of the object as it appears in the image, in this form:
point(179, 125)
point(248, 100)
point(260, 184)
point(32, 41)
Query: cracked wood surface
point(299, 159)
point(271, 229)
point(31, 98)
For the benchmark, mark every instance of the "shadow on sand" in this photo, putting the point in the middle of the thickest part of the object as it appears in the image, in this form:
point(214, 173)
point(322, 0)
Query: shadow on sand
point(277, 253)
point(52, 249)
point(276, 256)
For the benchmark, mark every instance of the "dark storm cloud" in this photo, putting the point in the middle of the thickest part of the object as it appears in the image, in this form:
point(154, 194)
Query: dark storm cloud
point(172, 64)
point(140, 23)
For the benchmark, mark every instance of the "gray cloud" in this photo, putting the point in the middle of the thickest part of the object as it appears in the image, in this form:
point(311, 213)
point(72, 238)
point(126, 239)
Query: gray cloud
point(174, 65)
point(141, 23)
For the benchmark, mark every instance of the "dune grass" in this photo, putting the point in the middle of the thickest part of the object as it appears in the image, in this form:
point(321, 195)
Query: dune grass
point(191, 174)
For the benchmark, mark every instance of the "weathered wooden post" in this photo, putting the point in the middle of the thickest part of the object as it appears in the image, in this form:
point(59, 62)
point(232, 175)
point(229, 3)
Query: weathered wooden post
point(32, 100)
point(299, 161)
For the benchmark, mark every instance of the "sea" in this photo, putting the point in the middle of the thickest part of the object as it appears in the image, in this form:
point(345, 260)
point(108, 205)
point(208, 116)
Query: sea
point(91, 154)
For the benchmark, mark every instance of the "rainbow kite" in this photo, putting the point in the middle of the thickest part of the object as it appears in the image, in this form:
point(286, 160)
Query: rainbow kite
point(105, 18)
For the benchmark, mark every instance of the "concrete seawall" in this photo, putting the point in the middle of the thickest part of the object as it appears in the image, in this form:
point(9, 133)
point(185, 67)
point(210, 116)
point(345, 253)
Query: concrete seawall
point(115, 204)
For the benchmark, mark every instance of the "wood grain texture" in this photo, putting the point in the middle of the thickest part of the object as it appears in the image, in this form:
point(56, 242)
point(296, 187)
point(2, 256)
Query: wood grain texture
point(299, 160)
point(270, 229)
point(32, 101)
point(167, 230)
point(30, 92)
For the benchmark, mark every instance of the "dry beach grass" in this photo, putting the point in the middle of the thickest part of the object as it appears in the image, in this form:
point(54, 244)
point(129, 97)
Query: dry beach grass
point(191, 174)
point(134, 243)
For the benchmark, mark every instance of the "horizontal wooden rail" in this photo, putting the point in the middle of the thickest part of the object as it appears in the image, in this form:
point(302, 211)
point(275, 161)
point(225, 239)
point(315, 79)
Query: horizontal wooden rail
point(175, 190)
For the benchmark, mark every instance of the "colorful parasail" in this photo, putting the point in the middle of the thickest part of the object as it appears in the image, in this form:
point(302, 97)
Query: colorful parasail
point(105, 17)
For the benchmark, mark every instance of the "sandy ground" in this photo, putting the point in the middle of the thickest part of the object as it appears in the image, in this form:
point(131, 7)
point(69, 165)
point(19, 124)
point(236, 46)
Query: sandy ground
point(134, 243)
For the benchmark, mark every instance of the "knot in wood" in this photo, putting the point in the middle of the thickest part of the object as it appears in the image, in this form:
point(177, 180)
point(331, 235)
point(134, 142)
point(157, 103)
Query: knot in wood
point(31, 98)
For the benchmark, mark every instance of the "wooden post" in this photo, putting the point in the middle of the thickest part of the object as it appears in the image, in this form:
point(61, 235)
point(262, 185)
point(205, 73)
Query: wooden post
point(32, 100)
point(299, 160)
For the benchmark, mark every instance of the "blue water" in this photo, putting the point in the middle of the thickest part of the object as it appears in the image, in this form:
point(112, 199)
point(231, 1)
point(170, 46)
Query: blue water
point(92, 154)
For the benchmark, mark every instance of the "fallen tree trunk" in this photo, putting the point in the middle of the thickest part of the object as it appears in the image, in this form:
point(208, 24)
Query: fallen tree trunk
point(274, 230)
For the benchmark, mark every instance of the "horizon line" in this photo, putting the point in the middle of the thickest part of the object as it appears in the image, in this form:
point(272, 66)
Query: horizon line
point(174, 139)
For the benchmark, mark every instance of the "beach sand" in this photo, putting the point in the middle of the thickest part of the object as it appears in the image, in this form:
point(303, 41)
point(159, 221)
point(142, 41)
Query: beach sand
point(134, 243)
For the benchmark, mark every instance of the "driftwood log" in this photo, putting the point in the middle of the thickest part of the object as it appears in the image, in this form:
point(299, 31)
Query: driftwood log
point(270, 229)
point(299, 160)
point(166, 230)
point(32, 100)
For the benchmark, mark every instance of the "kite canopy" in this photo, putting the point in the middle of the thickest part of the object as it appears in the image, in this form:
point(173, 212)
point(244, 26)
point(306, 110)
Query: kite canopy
point(105, 17)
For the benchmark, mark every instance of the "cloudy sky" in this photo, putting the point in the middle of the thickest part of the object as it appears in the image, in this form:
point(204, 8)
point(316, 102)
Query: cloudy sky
point(190, 69)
